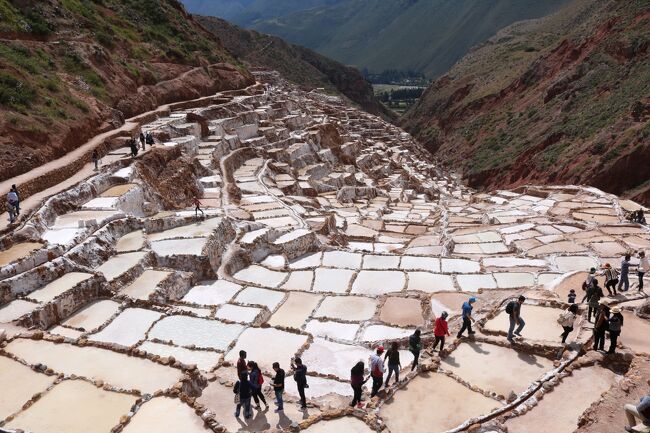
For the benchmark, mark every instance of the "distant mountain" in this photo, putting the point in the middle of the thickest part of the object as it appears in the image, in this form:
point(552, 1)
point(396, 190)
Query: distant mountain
point(295, 63)
point(246, 12)
point(564, 99)
point(422, 35)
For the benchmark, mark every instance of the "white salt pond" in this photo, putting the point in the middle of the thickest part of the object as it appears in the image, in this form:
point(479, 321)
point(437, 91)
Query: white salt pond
point(581, 389)
point(237, 313)
point(270, 345)
point(332, 280)
point(382, 333)
point(472, 283)
point(295, 310)
point(343, 425)
point(16, 309)
point(307, 261)
point(342, 259)
point(217, 293)
point(491, 367)
point(433, 403)
point(20, 384)
point(93, 316)
point(130, 242)
point(193, 331)
point(204, 360)
point(119, 264)
point(299, 280)
point(380, 262)
point(199, 229)
point(93, 363)
point(256, 296)
point(328, 357)
point(333, 330)
point(261, 276)
point(128, 328)
point(58, 286)
point(179, 247)
point(378, 282)
point(145, 285)
point(430, 283)
point(74, 406)
point(635, 333)
point(166, 415)
point(402, 312)
point(349, 308)
point(414, 263)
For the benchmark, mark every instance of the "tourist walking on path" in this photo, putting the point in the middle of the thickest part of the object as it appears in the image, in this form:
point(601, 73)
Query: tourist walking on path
point(594, 295)
point(394, 364)
point(467, 317)
point(134, 147)
point(242, 366)
point(242, 392)
point(257, 380)
point(14, 189)
point(278, 386)
point(589, 283)
point(611, 279)
point(356, 381)
point(644, 265)
point(142, 140)
point(440, 330)
point(197, 207)
point(415, 346)
point(149, 138)
point(572, 296)
point(95, 158)
point(640, 411)
point(625, 271)
point(601, 323)
point(566, 320)
point(377, 370)
point(615, 326)
point(300, 376)
point(12, 203)
point(514, 311)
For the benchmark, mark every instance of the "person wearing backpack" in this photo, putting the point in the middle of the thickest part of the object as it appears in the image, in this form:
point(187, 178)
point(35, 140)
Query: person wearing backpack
point(257, 380)
point(394, 364)
point(611, 279)
point(514, 312)
point(594, 295)
point(242, 391)
point(601, 322)
point(149, 138)
point(566, 320)
point(377, 371)
point(615, 326)
point(300, 376)
point(415, 345)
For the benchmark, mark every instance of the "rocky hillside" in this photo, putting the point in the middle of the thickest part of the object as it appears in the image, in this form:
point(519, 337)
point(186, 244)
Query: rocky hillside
point(422, 35)
point(300, 65)
point(565, 99)
point(70, 69)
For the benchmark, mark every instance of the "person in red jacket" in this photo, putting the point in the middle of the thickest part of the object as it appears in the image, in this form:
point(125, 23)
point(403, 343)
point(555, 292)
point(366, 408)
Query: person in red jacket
point(440, 331)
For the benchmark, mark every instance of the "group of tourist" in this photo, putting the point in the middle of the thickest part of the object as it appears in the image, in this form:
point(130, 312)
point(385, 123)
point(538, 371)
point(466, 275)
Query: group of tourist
point(250, 380)
point(637, 216)
point(13, 204)
point(144, 138)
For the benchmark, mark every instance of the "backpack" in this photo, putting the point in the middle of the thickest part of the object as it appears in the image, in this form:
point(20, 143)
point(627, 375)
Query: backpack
point(615, 324)
point(260, 379)
point(565, 318)
point(510, 308)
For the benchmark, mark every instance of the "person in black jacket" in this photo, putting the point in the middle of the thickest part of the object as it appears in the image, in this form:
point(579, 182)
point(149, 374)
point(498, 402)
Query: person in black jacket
point(256, 381)
point(300, 376)
point(278, 386)
point(243, 395)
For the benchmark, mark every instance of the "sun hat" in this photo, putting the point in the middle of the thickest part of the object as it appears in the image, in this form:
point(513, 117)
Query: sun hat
point(592, 270)
point(472, 299)
point(616, 310)
point(380, 349)
point(604, 302)
point(607, 265)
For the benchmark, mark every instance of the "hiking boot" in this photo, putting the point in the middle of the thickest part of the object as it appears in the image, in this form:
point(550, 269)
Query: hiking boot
point(472, 332)
point(278, 410)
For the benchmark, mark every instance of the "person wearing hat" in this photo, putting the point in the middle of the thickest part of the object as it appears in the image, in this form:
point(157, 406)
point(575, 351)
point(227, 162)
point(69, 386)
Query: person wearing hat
point(440, 330)
point(467, 317)
point(611, 279)
point(601, 321)
point(615, 324)
point(594, 295)
point(377, 371)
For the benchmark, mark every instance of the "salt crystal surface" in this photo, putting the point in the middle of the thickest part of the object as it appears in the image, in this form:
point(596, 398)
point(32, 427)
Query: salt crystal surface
point(261, 276)
point(128, 328)
point(429, 283)
point(15, 309)
point(380, 262)
point(350, 308)
point(420, 264)
point(237, 313)
point(333, 330)
point(299, 280)
point(187, 331)
point(460, 266)
point(204, 360)
point(332, 280)
point(256, 296)
point(307, 261)
point(270, 345)
point(378, 282)
point(342, 259)
point(383, 333)
point(217, 293)
point(93, 316)
point(471, 283)
point(328, 357)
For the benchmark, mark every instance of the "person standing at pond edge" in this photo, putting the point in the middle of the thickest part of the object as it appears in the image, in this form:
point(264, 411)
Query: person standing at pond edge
point(415, 346)
point(256, 381)
point(514, 311)
point(594, 295)
point(356, 381)
point(644, 264)
point(242, 390)
point(625, 273)
point(377, 370)
point(142, 140)
point(467, 317)
point(241, 363)
point(615, 325)
point(95, 158)
point(278, 386)
point(600, 325)
point(15, 190)
point(440, 330)
point(300, 376)
point(394, 364)
point(611, 279)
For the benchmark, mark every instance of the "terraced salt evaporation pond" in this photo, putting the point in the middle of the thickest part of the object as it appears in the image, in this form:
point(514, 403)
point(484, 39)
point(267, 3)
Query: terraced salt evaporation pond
point(559, 410)
point(166, 415)
point(18, 251)
point(23, 383)
point(433, 403)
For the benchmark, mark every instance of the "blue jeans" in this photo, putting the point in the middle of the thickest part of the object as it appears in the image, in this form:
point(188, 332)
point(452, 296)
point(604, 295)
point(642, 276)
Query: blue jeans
point(392, 368)
point(625, 280)
point(278, 398)
point(248, 411)
point(512, 326)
